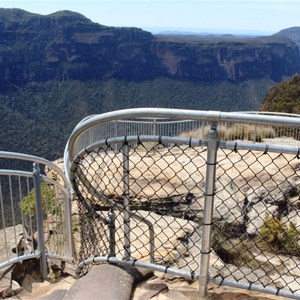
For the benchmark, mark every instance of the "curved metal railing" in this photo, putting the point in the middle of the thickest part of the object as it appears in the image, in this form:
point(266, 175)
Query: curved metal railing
point(20, 218)
point(173, 122)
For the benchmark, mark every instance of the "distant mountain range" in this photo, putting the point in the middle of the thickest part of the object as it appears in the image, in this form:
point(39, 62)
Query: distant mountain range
point(204, 33)
point(58, 68)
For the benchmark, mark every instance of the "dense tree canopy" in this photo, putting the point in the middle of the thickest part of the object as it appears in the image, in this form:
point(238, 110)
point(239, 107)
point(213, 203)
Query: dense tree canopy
point(284, 97)
point(39, 117)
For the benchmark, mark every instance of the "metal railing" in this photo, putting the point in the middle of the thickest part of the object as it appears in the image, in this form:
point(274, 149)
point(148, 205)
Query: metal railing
point(221, 210)
point(197, 128)
point(35, 211)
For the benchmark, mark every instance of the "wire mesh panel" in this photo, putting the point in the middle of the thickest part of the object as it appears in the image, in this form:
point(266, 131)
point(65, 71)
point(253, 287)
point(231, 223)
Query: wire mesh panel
point(256, 228)
point(138, 190)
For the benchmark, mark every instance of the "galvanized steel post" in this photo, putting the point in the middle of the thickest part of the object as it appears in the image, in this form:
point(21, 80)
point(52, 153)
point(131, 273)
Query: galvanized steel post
point(154, 127)
point(39, 219)
point(212, 147)
point(116, 133)
point(112, 232)
point(68, 224)
point(126, 201)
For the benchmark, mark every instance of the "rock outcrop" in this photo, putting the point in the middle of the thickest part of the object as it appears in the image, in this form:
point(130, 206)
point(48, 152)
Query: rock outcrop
point(234, 59)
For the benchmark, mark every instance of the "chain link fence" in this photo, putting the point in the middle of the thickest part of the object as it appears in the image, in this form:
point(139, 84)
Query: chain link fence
point(127, 195)
point(210, 209)
point(256, 219)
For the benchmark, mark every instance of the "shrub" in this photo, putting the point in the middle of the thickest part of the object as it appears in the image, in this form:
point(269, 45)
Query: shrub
point(283, 237)
point(28, 204)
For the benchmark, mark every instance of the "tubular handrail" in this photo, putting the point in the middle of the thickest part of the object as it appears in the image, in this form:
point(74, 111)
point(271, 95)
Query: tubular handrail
point(12, 261)
point(272, 113)
point(36, 159)
point(217, 280)
point(176, 114)
point(63, 187)
point(15, 173)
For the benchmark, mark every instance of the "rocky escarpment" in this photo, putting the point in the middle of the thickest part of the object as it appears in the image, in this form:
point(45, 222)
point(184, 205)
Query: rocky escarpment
point(66, 45)
point(230, 59)
point(292, 33)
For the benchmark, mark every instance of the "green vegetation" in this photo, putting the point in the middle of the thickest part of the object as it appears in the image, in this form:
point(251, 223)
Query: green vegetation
point(39, 117)
point(234, 250)
point(281, 236)
point(284, 97)
point(28, 204)
point(276, 235)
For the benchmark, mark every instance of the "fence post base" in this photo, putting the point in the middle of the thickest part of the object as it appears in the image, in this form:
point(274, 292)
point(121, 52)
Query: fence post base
point(203, 281)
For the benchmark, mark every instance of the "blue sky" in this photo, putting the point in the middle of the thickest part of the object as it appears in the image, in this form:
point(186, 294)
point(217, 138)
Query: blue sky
point(221, 16)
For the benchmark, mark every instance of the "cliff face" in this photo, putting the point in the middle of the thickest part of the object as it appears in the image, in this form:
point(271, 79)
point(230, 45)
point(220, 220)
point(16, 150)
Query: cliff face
point(292, 33)
point(66, 45)
point(235, 59)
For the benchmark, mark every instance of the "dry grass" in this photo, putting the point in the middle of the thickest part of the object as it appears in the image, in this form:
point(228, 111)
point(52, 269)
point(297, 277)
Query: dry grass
point(235, 132)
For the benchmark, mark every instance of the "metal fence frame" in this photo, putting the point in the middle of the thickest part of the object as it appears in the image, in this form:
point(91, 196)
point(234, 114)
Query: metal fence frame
point(157, 124)
point(213, 118)
point(37, 178)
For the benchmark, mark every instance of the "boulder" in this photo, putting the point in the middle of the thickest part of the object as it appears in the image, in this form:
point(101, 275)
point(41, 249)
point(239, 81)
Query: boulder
point(10, 237)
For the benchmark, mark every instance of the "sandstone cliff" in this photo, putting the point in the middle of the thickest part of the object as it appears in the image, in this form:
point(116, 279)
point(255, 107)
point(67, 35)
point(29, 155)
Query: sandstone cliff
point(66, 45)
point(232, 59)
